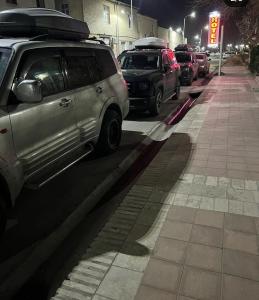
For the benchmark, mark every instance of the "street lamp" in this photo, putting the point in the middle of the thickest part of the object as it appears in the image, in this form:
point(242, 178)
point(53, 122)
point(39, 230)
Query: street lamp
point(196, 37)
point(204, 28)
point(179, 29)
point(192, 15)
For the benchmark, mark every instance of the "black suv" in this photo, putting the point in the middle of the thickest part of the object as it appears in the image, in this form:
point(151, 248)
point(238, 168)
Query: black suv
point(152, 76)
point(189, 66)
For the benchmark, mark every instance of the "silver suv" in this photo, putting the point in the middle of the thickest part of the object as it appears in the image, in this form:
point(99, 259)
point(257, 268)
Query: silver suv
point(59, 101)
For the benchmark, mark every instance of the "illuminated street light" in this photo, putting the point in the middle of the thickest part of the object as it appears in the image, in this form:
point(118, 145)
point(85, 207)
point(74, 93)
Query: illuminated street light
point(196, 37)
point(179, 29)
point(192, 15)
point(206, 27)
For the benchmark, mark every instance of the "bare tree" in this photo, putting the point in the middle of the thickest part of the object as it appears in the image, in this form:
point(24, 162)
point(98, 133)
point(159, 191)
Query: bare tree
point(246, 19)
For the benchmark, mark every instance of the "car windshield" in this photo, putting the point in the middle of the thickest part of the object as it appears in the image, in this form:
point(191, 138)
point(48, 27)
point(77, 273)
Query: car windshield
point(141, 62)
point(199, 56)
point(183, 57)
point(4, 59)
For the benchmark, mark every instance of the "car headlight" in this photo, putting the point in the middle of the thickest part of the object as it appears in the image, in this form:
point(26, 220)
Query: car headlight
point(143, 86)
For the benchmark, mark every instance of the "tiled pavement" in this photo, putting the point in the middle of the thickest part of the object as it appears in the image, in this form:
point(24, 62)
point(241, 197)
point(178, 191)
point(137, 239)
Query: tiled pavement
point(189, 228)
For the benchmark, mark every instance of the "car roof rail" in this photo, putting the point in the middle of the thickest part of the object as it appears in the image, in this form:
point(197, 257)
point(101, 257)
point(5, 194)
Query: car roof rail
point(94, 39)
point(44, 37)
point(39, 37)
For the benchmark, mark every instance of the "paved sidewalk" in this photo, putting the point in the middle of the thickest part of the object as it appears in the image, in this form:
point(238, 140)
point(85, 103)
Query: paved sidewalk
point(189, 228)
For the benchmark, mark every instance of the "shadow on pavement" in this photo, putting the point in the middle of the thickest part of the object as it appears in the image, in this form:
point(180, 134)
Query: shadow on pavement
point(172, 157)
point(39, 212)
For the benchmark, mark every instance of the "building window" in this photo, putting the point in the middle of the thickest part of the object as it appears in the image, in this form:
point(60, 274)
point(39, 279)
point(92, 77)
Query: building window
point(11, 1)
point(65, 8)
point(106, 14)
point(40, 3)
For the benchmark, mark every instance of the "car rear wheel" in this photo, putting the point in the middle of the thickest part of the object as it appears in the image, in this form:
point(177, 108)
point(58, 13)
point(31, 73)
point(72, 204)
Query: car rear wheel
point(155, 103)
point(177, 90)
point(189, 82)
point(3, 216)
point(111, 131)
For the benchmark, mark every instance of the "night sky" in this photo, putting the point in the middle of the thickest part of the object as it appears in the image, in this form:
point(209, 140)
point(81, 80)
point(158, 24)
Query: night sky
point(171, 13)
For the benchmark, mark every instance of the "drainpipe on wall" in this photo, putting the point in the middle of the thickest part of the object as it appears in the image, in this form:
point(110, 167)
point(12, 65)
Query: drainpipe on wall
point(117, 30)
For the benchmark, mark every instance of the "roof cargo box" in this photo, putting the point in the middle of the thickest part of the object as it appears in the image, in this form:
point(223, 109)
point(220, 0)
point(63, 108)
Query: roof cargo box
point(31, 22)
point(150, 43)
point(183, 47)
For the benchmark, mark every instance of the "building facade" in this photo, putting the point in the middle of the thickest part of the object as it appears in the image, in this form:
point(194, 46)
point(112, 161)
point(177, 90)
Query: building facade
point(9, 4)
point(109, 20)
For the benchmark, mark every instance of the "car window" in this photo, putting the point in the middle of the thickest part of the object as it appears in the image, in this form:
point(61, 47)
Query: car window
point(183, 57)
point(141, 61)
point(82, 68)
point(5, 55)
point(48, 71)
point(106, 63)
point(200, 56)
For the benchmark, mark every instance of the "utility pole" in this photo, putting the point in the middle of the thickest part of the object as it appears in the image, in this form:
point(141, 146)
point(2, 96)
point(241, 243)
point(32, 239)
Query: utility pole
point(221, 48)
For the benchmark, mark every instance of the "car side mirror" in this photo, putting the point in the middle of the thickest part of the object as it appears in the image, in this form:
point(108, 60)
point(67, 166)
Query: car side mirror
point(167, 68)
point(29, 91)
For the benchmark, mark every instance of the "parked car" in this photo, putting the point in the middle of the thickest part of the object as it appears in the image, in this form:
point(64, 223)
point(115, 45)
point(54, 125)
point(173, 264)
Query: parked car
point(60, 100)
point(204, 64)
point(152, 76)
point(189, 66)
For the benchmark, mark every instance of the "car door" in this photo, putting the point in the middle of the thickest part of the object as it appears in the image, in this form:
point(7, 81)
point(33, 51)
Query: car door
point(195, 65)
point(169, 75)
point(84, 80)
point(45, 131)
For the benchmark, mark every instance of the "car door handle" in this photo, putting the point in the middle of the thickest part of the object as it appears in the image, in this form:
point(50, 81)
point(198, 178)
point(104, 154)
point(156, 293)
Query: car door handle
point(65, 102)
point(99, 90)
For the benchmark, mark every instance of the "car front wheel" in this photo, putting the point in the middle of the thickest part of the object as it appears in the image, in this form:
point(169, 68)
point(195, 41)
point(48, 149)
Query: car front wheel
point(177, 90)
point(3, 216)
point(111, 131)
point(155, 103)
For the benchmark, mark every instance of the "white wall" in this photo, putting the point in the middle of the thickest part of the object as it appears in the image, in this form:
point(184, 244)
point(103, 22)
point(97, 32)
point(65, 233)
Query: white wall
point(147, 26)
point(163, 33)
point(175, 39)
point(75, 7)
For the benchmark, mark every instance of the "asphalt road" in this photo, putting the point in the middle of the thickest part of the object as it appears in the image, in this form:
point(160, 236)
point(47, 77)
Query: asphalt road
point(38, 213)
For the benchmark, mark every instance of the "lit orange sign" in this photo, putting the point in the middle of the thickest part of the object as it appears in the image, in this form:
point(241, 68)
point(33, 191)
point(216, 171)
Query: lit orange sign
point(214, 24)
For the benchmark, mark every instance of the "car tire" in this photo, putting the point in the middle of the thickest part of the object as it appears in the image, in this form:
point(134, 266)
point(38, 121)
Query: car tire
point(177, 90)
point(189, 82)
point(3, 216)
point(111, 131)
point(155, 103)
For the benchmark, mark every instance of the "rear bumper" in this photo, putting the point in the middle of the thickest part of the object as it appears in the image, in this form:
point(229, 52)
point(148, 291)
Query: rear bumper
point(137, 103)
point(186, 75)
